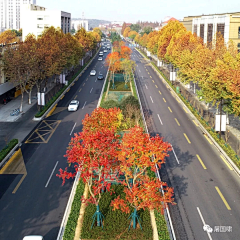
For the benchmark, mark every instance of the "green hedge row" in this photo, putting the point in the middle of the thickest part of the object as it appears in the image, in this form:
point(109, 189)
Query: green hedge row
point(4, 152)
point(69, 232)
point(226, 147)
point(116, 222)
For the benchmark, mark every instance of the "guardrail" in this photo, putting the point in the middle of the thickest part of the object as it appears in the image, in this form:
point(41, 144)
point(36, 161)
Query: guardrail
point(166, 211)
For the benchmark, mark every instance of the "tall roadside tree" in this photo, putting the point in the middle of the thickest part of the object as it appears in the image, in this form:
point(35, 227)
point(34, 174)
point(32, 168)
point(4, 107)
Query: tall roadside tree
point(8, 36)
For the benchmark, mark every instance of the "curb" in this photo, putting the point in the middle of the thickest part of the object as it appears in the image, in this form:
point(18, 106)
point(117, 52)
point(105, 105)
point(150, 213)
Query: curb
point(67, 89)
point(10, 154)
point(166, 212)
point(219, 148)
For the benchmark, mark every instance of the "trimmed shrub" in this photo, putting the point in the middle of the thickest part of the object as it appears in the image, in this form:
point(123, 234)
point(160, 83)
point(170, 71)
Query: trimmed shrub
point(69, 232)
point(130, 100)
point(110, 104)
point(4, 152)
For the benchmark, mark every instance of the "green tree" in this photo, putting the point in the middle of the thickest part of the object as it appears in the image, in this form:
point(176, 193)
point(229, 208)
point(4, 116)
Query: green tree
point(135, 27)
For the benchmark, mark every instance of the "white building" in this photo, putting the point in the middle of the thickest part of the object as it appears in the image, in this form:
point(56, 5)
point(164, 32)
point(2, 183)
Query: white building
point(35, 19)
point(78, 24)
point(10, 13)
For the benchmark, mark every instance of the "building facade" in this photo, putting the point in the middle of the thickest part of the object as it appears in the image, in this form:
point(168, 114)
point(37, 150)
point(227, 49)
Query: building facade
point(206, 26)
point(36, 19)
point(10, 13)
point(78, 24)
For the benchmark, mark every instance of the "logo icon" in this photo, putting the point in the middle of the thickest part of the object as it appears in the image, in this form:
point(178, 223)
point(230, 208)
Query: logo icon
point(207, 228)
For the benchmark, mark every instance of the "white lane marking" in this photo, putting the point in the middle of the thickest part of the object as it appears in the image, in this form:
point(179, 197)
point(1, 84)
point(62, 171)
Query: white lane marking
point(84, 105)
point(72, 129)
point(91, 90)
point(151, 99)
point(160, 119)
point(95, 80)
point(146, 86)
point(139, 70)
point(51, 174)
point(175, 154)
point(204, 224)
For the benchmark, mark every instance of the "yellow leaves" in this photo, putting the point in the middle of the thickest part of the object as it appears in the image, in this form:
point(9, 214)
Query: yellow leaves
point(8, 37)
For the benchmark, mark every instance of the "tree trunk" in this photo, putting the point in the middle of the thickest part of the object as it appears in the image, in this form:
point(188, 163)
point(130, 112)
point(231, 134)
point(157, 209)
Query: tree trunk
point(220, 132)
point(154, 225)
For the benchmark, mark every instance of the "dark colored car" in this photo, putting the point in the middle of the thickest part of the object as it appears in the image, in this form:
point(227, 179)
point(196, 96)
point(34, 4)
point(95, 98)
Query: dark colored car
point(100, 76)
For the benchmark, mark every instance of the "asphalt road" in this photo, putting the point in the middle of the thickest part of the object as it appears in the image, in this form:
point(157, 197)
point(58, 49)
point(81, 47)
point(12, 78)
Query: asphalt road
point(32, 198)
point(206, 188)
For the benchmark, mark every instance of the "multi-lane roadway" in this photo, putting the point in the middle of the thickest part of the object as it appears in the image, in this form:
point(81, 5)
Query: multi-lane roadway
point(206, 187)
point(32, 198)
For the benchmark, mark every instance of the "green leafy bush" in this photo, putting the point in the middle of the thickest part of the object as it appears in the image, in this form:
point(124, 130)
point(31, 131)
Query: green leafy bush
point(4, 152)
point(163, 233)
point(110, 104)
point(130, 100)
point(69, 232)
point(116, 223)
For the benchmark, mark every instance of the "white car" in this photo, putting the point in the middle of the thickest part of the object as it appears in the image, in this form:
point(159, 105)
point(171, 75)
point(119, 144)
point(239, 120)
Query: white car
point(73, 106)
point(105, 50)
point(103, 47)
point(93, 73)
point(33, 237)
point(100, 59)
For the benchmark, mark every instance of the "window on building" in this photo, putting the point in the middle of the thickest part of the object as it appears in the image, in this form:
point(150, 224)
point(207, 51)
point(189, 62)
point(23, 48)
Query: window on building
point(238, 32)
point(202, 31)
point(209, 33)
point(39, 18)
point(238, 47)
point(220, 28)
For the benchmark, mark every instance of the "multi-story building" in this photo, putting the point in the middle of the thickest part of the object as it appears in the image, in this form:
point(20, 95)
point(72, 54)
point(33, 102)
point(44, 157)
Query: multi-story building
point(78, 24)
point(10, 13)
point(206, 26)
point(36, 19)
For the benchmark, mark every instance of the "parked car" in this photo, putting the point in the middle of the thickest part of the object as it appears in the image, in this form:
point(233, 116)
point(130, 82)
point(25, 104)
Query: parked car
point(100, 59)
point(100, 76)
point(33, 237)
point(73, 106)
point(93, 73)
point(105, 50)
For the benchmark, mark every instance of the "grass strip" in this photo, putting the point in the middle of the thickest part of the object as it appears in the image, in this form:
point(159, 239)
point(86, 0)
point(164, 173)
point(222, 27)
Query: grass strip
point(7, 149)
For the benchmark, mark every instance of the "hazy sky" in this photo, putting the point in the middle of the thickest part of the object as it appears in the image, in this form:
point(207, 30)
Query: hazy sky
point(145, 10)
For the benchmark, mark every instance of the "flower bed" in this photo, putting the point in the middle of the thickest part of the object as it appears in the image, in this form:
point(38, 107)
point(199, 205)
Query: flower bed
point(115, 223)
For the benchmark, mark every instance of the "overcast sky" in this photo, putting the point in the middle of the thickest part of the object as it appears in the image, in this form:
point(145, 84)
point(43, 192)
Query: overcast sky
point(144, 10)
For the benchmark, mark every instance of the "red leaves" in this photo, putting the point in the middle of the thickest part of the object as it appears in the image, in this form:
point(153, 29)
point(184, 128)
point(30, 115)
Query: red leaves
point(125, 52)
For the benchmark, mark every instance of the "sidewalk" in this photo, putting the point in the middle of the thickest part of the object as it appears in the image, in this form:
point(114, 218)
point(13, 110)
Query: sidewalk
point(18, 126)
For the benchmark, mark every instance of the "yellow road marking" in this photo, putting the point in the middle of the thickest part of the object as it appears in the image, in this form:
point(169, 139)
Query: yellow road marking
point(195, 123)
point(156, 86)
point(223, 198)
point(159, 92)
point(169, 109)
point(207, 139)
point(164, 100)
point(62, 97)
point(153, 81)
point(68, 90)
point(226, 162)
point(75, 97)
point(148, 73)
point(177, 122)
point(178, 100)
point(185, 110)
point(19, 183)
point(83, 84)
point(80, 90)
point(200, 160)
point(187, 138)
point(73, 83)
point(150, 76)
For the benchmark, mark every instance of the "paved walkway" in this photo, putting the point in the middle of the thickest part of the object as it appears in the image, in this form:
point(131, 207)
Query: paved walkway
point(18, 126)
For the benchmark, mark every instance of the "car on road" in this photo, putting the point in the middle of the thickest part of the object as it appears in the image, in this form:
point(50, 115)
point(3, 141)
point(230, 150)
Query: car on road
point(105, 50)
point(73, 106)
point(93, 73)
point(101, 54)
point(103, 47)
point(100, 59)
point(100, 76)
point(33, 237)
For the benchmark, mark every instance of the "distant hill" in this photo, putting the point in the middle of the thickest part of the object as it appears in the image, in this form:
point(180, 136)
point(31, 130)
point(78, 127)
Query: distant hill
point(93, 22)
